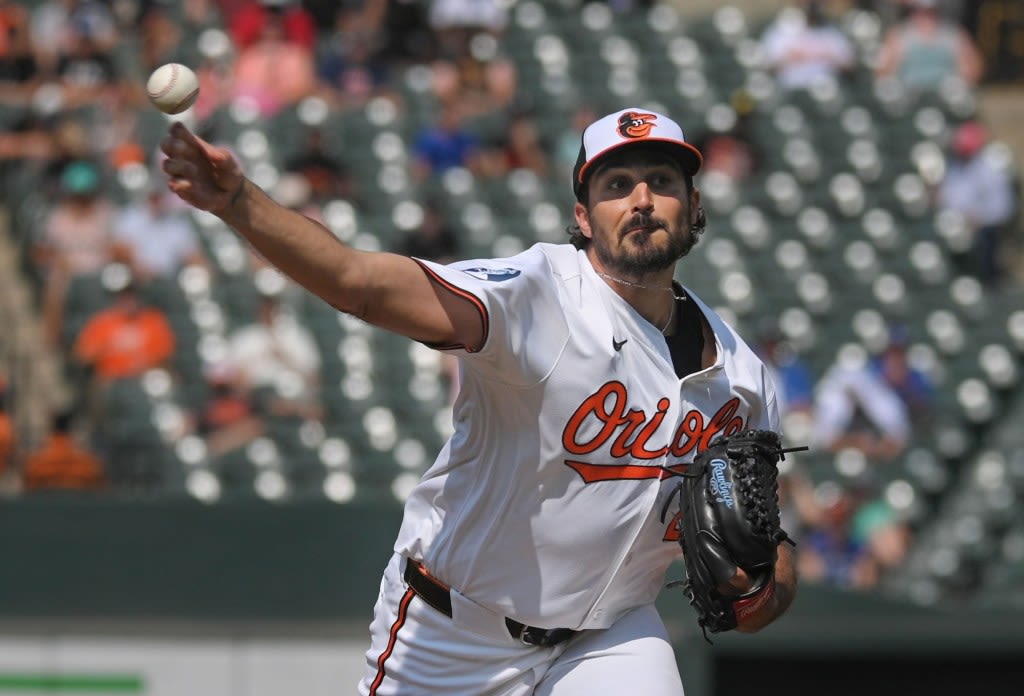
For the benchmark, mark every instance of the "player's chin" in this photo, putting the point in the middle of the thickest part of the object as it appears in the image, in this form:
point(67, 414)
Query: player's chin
point(651, 243)
point(644, 242)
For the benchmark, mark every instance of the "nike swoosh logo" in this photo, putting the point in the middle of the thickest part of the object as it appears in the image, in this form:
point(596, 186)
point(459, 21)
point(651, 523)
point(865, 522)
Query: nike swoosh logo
point(617, 345)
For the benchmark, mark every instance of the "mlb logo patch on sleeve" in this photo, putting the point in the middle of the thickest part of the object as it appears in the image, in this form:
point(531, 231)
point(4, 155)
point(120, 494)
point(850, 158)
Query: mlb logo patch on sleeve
point(495, 274)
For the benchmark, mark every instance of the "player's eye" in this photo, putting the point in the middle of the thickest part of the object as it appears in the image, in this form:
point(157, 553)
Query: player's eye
point(662, 179)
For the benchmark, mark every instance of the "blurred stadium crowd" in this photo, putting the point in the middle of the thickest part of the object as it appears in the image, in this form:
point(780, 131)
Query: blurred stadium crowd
point(863, 233)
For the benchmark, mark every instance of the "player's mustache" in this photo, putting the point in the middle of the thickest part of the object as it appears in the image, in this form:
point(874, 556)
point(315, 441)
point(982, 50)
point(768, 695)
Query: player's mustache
point(640, 220)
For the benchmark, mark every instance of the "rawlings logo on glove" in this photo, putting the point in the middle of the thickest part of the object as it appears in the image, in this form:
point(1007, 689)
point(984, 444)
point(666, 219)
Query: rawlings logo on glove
point(729, 520)
point(720, 487)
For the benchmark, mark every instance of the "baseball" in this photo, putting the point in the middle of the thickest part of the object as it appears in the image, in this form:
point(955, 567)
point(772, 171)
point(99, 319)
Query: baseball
point(172, 88)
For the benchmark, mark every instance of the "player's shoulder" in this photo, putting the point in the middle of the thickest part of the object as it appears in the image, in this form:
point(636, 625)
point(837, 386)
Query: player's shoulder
point(538, 260)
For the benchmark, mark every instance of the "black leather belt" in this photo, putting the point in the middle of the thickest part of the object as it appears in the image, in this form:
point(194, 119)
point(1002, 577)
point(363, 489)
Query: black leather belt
point(439, 597)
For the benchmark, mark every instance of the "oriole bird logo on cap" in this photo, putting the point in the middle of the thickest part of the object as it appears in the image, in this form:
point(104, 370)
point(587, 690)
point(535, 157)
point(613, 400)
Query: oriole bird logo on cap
point(634, 124)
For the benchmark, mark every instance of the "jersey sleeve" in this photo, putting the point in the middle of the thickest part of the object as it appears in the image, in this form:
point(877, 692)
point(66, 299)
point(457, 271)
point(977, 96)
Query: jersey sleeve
point(772, 408)
point(525, 326)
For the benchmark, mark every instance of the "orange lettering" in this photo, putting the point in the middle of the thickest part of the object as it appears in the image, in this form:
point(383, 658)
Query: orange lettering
point(631, 431)
point(693, 433)
point(673, 531)
point(633, 428)
point(594, 405)
point(639, 449)
point(621, 446)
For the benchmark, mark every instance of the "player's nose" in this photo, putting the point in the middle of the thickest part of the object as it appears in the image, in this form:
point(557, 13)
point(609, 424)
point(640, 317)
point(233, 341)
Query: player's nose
point(642, 198)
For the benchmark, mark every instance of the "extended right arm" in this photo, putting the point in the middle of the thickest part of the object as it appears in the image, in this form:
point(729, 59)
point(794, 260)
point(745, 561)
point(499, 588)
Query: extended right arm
point(387, 290)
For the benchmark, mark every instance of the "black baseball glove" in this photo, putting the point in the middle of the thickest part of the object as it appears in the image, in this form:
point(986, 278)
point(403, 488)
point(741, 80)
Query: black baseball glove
point(729, 519)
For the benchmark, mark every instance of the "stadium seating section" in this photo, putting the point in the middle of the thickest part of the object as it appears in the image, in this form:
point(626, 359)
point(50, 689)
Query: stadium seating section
point(834, 235)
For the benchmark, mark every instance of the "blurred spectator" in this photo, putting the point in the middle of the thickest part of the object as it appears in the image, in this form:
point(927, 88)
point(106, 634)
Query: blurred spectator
point(446, 82)
point(275, 71)
point(802, 46)
point(913, 386)
point(18, 68)
point(120, 134)
point(855, 408)
point(983, 192)
point(57, 24)
point(160, 37)
point(75, 238)
point(434, 240)
point(446, 144)
point(924, 49)
point(567, 147)
point(76, 232)
point(29, 140)
point(828, 552)
point(228, 418)
point(526, 147)
point(798, 507)
point(61, 462)
point(730, 148)
point(124, 340)
point(456, 22)
point(278, 359)
point(68, 141)
point(488, 89)
point(154, 239)
point(886, 536)
point(8, 439)
point(327, 176)
point(247, 21)
point(504, 90)
point(520, 147)
point(215, 77)
point(85, 70)
point(349, 60)
point(407, 37)
point(793, 378)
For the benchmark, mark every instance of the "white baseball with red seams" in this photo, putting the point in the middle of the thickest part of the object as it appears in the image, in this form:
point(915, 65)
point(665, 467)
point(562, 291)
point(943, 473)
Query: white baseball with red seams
point(172, 88)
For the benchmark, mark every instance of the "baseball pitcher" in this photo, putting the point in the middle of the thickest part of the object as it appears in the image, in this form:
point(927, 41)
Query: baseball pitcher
point(607, 422)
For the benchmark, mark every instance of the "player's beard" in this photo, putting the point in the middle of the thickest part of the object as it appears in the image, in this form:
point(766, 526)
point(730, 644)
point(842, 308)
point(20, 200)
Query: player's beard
point(632, 257)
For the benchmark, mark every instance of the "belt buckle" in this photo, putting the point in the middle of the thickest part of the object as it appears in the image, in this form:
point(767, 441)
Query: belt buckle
point(528, 636)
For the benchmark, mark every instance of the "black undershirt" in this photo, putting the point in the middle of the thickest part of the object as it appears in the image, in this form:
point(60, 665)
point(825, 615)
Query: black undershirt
point(687, 342)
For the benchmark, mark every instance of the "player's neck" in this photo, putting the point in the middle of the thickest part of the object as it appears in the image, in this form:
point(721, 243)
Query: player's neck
point(665, 287)
point(655, 300)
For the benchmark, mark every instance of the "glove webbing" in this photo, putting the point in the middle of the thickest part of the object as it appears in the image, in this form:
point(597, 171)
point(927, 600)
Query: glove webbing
point(758, 487)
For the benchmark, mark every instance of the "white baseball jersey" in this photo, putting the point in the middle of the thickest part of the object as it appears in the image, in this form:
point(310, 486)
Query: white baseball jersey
point(571, 427)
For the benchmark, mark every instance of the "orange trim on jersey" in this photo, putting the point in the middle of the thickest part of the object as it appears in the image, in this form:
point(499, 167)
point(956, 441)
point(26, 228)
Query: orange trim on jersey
point(403, 608)
point(464, 294)
point(618, 472)
point(613, 472)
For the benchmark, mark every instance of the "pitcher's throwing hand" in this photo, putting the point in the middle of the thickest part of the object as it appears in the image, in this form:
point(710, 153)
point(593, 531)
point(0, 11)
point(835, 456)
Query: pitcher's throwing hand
point(203, 175)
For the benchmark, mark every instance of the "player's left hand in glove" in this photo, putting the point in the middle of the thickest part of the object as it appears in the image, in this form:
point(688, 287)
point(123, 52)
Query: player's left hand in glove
point(729, 520)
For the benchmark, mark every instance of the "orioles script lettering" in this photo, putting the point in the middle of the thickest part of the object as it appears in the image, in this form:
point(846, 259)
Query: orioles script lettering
point(630, 431)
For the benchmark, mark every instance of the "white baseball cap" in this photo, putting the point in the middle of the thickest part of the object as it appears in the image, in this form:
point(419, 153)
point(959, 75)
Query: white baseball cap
point(632, 126)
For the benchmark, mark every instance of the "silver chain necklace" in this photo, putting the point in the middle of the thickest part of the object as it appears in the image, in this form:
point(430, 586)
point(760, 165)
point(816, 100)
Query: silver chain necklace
point(671, 316)
point(670, 289)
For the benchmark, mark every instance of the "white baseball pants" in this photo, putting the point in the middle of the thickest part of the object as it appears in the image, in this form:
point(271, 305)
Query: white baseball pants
point(416, 650)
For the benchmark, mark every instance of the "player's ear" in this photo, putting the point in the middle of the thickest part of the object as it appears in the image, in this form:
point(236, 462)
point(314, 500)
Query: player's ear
point(583, 219)
point(696, 210)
